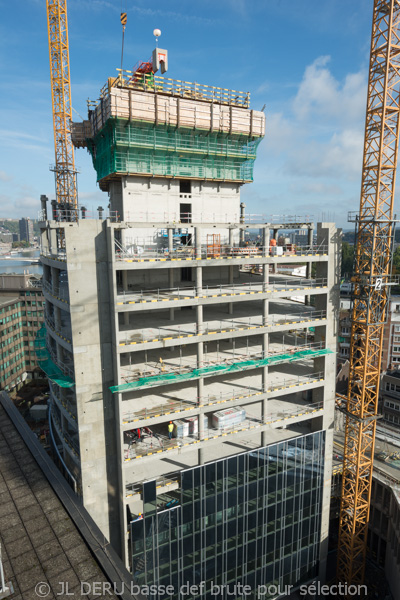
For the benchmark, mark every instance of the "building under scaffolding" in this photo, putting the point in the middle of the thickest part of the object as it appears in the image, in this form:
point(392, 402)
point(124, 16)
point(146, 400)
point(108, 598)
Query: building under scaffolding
point(200, 417)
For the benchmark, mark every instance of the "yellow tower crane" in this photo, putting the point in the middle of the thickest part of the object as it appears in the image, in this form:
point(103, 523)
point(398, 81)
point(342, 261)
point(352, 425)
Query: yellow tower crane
point(372, 271)
point(64, 168)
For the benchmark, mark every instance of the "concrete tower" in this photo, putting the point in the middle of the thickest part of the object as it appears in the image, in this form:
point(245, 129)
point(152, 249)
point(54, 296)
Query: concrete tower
point(199, 422)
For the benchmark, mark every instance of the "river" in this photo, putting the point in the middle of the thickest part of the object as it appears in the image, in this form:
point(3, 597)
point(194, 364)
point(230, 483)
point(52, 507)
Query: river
point(16, 265)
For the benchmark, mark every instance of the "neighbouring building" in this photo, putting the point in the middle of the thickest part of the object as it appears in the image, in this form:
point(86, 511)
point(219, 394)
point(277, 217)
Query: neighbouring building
point(26, 230)
point(383, 544)
point(192, 398)
point(391, 336)
point(21, 315)
point(390, 400)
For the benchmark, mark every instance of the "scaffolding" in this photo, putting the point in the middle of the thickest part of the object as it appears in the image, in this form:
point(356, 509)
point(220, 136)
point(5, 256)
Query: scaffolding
point(220, 369)
point(52, 371)
point(213, 245)
point(149, 82)
point(124, 147)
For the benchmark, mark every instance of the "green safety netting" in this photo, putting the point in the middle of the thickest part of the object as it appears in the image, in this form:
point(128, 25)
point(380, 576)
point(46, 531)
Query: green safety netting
point(123, 147)
point(165, 378)
point(52, 371)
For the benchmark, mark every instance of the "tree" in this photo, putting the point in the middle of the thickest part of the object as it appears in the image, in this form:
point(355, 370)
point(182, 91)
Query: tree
point(347, 259)
point(396, 260)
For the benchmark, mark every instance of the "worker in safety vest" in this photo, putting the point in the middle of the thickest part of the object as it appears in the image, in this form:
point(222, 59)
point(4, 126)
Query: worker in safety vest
point(170, 429)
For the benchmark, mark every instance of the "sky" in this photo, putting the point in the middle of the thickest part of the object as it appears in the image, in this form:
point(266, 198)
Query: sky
point(305, 60)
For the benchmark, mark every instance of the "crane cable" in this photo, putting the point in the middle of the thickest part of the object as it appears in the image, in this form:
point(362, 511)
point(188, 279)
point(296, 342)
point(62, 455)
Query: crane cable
point(124, 19)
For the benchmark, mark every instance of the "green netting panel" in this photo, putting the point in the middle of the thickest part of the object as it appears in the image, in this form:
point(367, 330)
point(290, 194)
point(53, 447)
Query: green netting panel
point(166, 378)
point(125, 134)
point(122, 147)
point(52, 371)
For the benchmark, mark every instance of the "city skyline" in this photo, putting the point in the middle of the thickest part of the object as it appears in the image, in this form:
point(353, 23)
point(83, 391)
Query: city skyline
point(313, 86)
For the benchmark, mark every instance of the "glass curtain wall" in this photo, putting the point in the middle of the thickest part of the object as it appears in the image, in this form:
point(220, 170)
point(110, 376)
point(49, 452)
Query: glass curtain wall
point(252, 519)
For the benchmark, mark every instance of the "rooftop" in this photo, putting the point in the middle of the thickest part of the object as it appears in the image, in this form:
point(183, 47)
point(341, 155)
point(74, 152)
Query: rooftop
point(42, 544)
point(148, 82)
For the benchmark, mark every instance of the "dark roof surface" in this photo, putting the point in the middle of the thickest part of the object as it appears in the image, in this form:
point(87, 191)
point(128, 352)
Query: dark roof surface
point(40, 542)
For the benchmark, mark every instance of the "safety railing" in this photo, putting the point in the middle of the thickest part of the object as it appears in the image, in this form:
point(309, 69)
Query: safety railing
point(73, 445)
point(66, 369)
point(61, 294)
point(74, 482)
point(177, 406)
point(59, 255)
point(133, 337)
point(161, 482)
point(228, 289)
point(148, 253)
point(211, 217)
point(78, 214)
point(148, 82)
point(61, 402)
point(160, 443)
point(62, 332)
point(164, 373)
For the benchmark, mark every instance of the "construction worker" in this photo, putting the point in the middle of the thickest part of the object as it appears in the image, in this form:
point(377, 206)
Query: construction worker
point(170, 429)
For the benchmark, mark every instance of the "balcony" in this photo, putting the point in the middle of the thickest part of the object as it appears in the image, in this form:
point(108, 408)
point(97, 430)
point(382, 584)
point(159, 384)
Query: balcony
point(60, 293)
point(153, 444)
point(177, 408)
point(275, 284)
point(223, 328)
point(71, 443)
point(180, 368)
point(61, 331)
point(139, 254)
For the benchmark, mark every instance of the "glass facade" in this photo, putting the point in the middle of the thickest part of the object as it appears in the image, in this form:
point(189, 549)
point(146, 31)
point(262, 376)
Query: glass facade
point(252, 519)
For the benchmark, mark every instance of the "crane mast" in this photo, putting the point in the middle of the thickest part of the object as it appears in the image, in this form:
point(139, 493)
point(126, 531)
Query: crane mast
point(64, 168)
point(372, 271)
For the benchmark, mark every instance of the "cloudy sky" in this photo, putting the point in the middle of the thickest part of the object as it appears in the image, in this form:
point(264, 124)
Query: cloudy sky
point(306, 60)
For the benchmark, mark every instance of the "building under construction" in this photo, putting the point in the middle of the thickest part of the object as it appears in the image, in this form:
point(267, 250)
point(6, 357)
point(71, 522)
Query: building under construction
point(192, 366)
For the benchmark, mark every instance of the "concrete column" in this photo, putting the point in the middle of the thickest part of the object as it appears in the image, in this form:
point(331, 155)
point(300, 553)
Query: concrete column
point(55, 279)
point(199, 314)
point(264, 411)
point(125, 289)
point(199, 281)
point(170, 240)
point(57, 318)
point(197, 235)
point(201, 457)
point(327, 234)
point(171, 271)
point(309, 264)
point(125, 280)
point(60, 353)
point(276, 235)
point(230, 275)
point(171, 285)
point(242, 214)
point(53, 241)
point(200, 382)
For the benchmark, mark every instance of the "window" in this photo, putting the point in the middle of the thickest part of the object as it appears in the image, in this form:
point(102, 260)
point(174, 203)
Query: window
point(185, 213)
point(185, 186)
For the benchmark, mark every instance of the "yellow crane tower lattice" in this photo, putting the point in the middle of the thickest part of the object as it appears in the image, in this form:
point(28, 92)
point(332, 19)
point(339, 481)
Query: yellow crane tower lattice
point(64, 169)
point(372, 270)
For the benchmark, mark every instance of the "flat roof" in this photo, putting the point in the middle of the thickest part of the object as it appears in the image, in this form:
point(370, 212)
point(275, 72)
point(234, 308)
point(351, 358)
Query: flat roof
point(41, 537)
